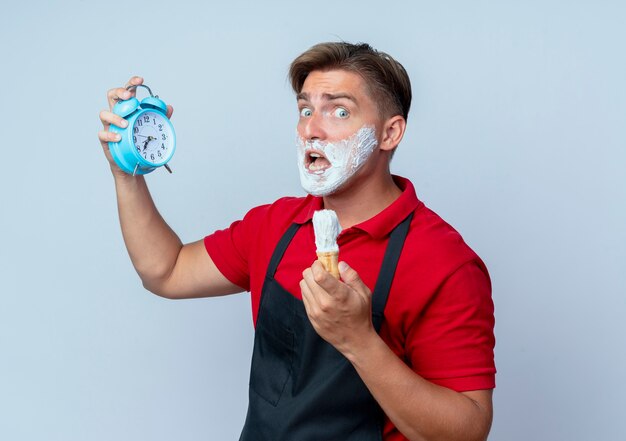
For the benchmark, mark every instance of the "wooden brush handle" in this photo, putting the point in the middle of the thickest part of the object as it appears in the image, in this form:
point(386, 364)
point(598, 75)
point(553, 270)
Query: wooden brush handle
point(330, 260)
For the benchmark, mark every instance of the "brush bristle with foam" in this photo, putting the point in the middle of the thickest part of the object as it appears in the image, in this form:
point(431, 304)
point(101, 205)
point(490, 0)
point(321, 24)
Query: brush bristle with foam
point(327, 228)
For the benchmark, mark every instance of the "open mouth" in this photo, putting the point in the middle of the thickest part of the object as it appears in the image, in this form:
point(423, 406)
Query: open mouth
point(315, 161)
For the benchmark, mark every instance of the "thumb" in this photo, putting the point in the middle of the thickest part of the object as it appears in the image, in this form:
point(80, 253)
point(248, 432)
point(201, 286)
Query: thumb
point(351, 278)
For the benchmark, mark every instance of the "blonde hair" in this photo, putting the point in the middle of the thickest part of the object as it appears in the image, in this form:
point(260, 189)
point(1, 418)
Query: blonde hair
point(386, 79)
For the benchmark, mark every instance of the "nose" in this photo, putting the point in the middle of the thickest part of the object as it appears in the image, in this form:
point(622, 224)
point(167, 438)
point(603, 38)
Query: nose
point(312, 127)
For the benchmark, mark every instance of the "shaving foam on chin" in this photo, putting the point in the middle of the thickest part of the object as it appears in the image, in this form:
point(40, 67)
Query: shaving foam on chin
point(346, 157)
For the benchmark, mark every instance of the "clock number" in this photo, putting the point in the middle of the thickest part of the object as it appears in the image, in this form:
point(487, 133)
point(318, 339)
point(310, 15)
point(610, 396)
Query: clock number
point(139, 122)
point(163, 146)
point(152, 156)
point(159, 153)
point(153, 121)
point(135, 129)
point(134, 139)
point(146, 118)
point(160, 127)
point(163, 136)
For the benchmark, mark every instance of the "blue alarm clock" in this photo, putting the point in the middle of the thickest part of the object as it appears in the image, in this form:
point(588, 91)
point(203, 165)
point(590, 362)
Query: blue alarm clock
point(149, 141)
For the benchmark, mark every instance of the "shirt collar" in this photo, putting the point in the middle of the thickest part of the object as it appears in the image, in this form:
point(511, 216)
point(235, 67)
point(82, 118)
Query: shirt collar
point(312, 204)
point(384, 222)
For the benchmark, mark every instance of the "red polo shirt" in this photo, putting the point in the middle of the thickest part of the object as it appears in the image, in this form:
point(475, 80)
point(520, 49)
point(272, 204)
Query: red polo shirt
point(439, 315)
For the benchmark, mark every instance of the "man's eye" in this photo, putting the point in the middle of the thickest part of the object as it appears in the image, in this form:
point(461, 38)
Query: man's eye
point(305, 112)
point(340, 112)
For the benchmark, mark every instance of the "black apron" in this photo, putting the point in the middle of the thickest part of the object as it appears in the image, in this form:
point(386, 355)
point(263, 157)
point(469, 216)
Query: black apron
point(301, 387)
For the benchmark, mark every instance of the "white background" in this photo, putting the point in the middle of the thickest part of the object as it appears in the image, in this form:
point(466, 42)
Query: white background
point(516, 137)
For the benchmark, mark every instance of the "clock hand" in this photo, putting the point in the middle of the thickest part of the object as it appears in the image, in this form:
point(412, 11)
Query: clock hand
point(150, 138)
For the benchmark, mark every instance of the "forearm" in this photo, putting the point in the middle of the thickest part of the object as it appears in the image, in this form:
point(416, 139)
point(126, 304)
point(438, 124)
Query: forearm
point(419, 409)
point(152, 245)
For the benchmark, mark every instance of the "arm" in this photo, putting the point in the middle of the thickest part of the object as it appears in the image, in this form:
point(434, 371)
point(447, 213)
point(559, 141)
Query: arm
point(166, 266)
point(420, 409)
point(341, 314)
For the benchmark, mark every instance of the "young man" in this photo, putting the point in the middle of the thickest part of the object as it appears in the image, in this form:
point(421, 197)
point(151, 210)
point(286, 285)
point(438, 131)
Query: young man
point(402, 346)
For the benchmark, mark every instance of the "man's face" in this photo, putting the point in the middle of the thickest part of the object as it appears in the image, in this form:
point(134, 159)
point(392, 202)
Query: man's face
point(336, 130)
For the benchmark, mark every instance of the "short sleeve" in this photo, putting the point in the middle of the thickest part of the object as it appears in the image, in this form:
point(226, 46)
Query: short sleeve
point(231, 248)
point(452, 342)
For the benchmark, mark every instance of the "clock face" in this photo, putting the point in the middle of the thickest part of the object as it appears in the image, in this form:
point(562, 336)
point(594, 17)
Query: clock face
point(152, 137)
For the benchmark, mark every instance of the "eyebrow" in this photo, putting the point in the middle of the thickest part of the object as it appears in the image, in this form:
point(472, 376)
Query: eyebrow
point(328, 97)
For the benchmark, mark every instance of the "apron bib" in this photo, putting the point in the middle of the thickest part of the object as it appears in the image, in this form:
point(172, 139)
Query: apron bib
point(301, 387)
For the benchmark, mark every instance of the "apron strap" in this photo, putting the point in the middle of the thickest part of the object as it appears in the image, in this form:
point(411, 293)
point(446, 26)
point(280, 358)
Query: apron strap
point(388, 270)
point(280, 249)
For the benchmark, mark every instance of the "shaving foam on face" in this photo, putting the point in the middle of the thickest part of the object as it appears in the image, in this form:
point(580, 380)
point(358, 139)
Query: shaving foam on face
point(345, 156)
point(326, 227)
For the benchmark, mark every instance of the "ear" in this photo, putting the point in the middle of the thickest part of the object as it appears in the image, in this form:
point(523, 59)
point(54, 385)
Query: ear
point(393, 131)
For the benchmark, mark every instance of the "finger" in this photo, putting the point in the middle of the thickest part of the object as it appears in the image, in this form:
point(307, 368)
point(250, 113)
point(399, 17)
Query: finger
point(169, 112)
point(323, 278)
point(315, 305)
point(117, 94)
point(307, 295)
point(106, 136)
point(323, 298)
point(316, 293)
point(108, 118)
point(351, 278)
point(308, 281)
point(134, 81)
point(310, 306)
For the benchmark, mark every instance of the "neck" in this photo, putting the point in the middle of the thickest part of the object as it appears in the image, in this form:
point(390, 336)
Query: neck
point(363, 198)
